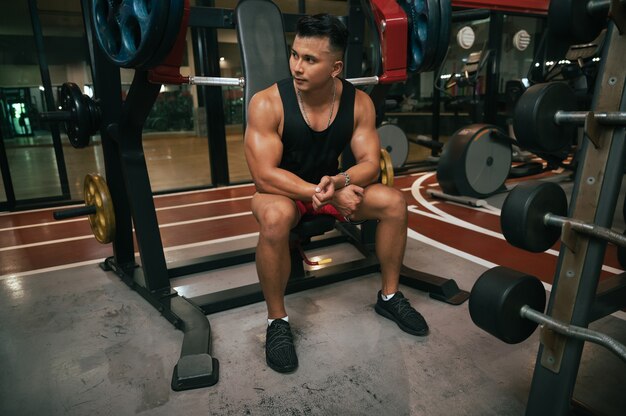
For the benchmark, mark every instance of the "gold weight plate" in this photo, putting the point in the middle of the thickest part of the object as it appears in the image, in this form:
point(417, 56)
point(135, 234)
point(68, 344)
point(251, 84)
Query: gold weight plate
point(97, 194)
point(386, 168)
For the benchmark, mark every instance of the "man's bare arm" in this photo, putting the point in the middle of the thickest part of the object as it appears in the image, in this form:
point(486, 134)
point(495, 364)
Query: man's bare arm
point(264, 149)
point(365, 145)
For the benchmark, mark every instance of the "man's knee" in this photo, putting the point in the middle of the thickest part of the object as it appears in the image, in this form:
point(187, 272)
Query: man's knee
point(276, 219)
point(394, 204)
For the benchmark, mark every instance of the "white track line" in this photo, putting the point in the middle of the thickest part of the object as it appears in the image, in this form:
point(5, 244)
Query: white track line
point(450, 219)
point(4, 214)
point(94, 261)
point(45, 224)
point(171, 224)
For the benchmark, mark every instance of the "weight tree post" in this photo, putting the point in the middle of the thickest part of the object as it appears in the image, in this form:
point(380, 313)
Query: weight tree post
point(594, 197)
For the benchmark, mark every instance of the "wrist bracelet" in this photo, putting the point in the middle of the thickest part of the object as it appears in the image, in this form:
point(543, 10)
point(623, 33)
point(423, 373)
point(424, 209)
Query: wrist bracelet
point(347, 177)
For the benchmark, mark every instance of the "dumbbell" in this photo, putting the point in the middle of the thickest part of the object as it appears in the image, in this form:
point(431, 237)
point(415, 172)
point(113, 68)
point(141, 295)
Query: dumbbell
point(509, 305)
point(534, 212)
point(545, 120)
point(98, 206)
point(79, 113)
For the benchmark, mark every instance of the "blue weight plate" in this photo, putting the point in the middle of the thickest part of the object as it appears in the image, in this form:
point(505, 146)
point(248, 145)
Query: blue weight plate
point(415, 53)
point(430, 40)
point(443, 40)
point(130, 33)
point(170, 34)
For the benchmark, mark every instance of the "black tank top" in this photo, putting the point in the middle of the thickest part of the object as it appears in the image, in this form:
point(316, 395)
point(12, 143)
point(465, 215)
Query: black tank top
point(308, 153)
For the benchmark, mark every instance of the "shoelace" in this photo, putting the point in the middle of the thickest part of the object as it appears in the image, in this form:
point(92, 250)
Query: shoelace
point(279, 338)
point(404, 308)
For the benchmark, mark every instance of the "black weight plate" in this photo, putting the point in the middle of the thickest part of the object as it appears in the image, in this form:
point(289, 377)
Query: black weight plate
point(170, 34)
point(533, 121)
point(570, 21)
point(473, 163)
point(131, 31)
point(497, 298)
point(443, 40)
point(523, 212)
point(77, 127)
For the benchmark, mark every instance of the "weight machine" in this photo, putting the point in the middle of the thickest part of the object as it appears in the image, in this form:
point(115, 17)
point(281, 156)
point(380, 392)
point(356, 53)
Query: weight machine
point(510, 304)
point(156, 58)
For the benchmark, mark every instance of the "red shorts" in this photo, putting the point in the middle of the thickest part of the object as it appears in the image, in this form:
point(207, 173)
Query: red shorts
point(306, 209)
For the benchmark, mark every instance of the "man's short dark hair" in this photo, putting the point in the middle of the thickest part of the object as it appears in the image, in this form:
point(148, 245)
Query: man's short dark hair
point(324, 25)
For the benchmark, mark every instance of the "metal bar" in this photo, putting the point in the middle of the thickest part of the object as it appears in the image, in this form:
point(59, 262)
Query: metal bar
point(6, 175)
point(573, 331)
point(56, 116)
point(107, 88)
point(218, 81)
point(363, 80)
point(612, 118)
point(241, 82)
point(47, 84)
point(207, 62)
point(582, 227)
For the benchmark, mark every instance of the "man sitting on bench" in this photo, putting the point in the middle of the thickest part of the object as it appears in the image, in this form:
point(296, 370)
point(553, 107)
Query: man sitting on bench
point(296, 130)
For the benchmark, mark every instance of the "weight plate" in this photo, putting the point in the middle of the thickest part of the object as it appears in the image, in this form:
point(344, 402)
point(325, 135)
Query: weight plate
point(533, 120)
point(130, 31)
point(473, 163)
point(78, 126)
point(497, 298)
point(443, 40)
point(423, 20)
point(432, 34)
point(386, 168)
point(394, 141)
point(96, 193)
point(570, 21)
point(173, 27)
point(523, 212)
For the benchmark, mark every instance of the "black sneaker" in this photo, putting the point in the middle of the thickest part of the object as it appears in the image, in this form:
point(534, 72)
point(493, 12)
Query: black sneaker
point(280, 352)
point(399, 310)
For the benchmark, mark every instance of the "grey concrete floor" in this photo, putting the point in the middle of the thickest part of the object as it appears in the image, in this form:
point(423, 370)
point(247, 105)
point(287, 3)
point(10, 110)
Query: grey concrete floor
point(80, 342)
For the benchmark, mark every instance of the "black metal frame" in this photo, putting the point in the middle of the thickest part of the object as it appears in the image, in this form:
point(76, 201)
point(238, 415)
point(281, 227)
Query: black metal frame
point(577, 297)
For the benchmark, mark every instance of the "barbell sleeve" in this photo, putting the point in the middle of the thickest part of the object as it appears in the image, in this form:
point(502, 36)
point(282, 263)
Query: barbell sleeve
point(56, 116)
point(74, 212)
point(363, 80)
point(617, 118)
point(241, 82)
point(573, 331)
point(582, 227)
point(218, 81)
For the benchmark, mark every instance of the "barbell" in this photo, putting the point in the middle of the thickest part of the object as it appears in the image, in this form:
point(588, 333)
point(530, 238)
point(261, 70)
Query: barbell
point(534, 213)
point(545, 118)
point(509, 305)
point(98, 207)
point(80, 115)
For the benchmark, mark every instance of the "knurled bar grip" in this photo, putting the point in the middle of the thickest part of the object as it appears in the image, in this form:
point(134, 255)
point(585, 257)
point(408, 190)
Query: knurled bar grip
point(74, 212)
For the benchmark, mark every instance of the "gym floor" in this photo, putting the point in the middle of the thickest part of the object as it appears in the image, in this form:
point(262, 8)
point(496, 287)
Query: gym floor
point(75, 340)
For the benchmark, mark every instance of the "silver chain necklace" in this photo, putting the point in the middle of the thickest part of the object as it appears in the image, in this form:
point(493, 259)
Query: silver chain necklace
point(332, 106)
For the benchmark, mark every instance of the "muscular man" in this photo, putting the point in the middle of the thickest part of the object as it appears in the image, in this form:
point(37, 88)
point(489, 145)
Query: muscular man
point(296, 130)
